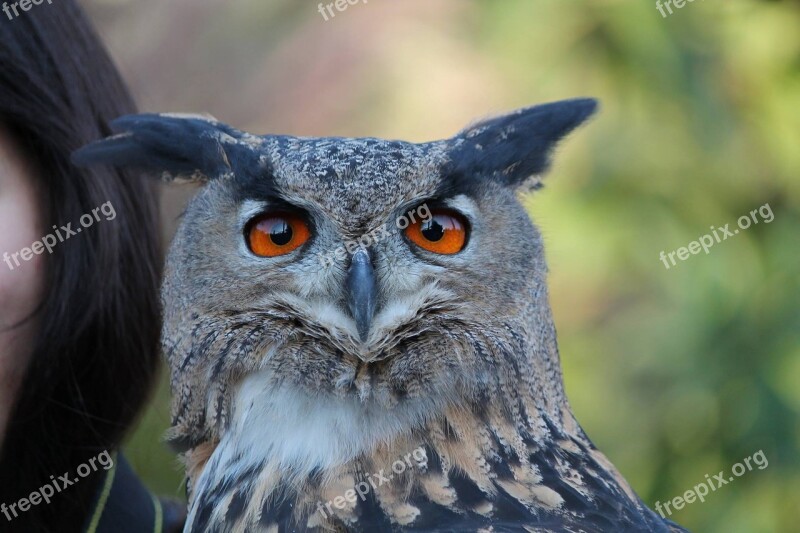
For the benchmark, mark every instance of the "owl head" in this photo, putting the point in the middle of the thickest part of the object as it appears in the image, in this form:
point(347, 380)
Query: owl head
point(369, 281)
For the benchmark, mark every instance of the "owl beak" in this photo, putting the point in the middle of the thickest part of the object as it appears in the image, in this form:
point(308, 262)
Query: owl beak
point(362, 291)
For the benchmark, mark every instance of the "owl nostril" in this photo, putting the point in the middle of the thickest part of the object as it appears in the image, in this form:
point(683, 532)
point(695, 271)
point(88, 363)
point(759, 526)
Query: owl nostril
point(362, 291)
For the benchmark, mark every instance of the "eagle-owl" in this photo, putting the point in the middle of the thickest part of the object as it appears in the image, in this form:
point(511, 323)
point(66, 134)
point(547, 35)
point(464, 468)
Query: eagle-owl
point(359, 333)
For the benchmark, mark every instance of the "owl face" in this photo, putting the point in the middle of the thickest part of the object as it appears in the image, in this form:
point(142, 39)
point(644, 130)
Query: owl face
point(384, 275)
point(368, 260)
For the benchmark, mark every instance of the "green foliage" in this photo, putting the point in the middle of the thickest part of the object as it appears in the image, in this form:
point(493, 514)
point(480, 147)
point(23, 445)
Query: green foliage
point(682, 372)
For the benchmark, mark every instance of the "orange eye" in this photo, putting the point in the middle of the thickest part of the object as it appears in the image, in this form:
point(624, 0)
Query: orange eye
point(444, 232)
point(273, 234)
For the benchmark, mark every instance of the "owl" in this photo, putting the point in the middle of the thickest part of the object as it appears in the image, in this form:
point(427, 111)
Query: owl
point(359, 335)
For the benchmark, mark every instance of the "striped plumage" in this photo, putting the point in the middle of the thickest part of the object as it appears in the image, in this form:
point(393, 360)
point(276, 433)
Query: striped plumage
point(297, 391)
point(560, 483)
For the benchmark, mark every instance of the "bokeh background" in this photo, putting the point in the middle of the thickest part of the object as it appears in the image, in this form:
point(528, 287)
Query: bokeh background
point(675, 373)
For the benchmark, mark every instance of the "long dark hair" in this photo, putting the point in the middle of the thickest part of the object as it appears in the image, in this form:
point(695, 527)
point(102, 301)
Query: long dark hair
point(96, 355)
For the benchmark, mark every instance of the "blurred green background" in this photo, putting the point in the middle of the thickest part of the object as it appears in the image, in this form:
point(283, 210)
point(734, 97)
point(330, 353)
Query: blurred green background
point(675, 373)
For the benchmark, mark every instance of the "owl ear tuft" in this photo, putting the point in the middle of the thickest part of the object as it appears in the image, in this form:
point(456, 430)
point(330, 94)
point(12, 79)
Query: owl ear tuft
point(180, 147)
point(516, 147)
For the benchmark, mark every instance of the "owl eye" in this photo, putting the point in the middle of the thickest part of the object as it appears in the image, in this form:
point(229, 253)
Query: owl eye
point(274, 234)
point(444, 232)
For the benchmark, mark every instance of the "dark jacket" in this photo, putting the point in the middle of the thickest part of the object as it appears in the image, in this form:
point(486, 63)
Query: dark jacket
point(124, 505)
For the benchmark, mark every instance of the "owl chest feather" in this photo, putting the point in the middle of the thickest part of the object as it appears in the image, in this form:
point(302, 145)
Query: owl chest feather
point(303, 433)
point(299, 465)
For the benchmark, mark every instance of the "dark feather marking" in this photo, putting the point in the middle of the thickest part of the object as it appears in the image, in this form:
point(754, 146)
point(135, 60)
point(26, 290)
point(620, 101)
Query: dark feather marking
point(468, 492)
point(279, 509)
point(237, 506)
point(371, 517)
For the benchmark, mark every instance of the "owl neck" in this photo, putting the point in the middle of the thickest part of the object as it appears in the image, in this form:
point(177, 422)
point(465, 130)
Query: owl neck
point(513, 391)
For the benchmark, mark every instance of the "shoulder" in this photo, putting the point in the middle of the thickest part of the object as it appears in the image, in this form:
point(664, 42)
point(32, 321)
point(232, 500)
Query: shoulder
point(124, 505)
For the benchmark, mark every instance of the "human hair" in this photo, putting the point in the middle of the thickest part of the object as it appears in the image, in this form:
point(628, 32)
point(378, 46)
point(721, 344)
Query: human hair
point(95, 358)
